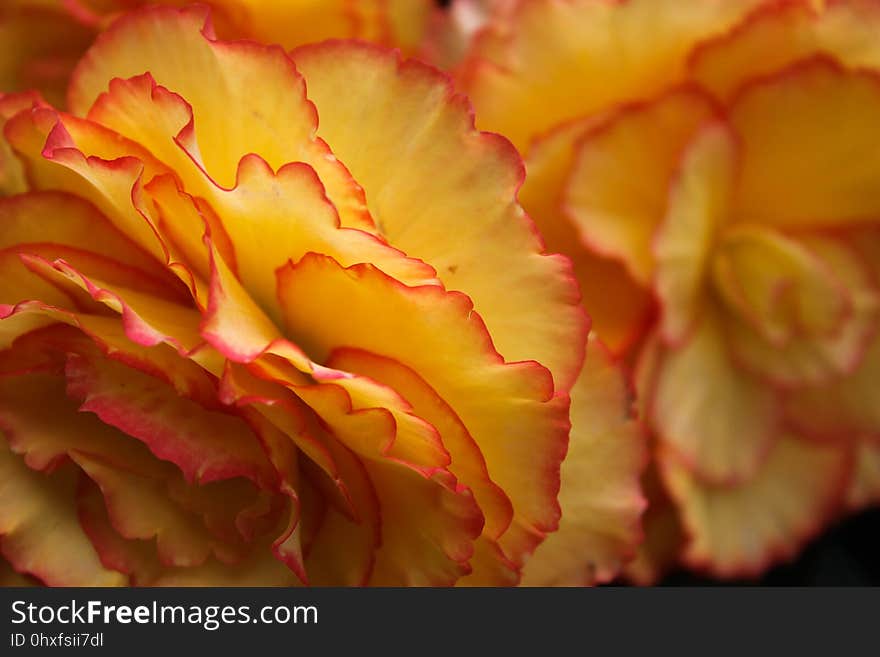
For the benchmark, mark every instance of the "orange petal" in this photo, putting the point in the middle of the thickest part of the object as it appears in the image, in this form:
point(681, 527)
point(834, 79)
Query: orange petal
point(836, 287)
point(844, 408)
point(718, 418)
point(50, 219)
point(12, 177)
point(741, 530)
point(777, 284)
point(291, 207)
point(139, 508)
point(42, 425)
point(600, 54)
point(426, 539)
point(698, 206)
point(414, 326)
point(85, 159)
point(38, 514)
point(864, 489)
point(468, 463)
point(176, 47)
point(777, 34)
point(136, 558)
point(617, 190)
point(205, 445)
point(41, 44)
point(407, 137)
point(601, 497)
point(664, 537)
point(619, 309)
point(428, 527)
point(164, 122)
point(828, 179)
point(342, 551)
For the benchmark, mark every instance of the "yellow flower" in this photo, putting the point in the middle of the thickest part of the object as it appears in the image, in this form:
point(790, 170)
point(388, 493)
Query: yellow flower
point(713, 169)
point(43, 39)
point(253, 334)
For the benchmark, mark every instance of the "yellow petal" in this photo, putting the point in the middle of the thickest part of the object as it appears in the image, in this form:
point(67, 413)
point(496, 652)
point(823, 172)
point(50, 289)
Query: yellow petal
point(617, 189)
point(561, 60)
point(845, 408)
point(683, 245)
point(62, 153)
point(864, 489)
point(38, 514)
point(778, 285)
point(739, 531)
point(438, 335)
point(619, 309)
point(217, 79)
point(445, 193)
point(819, 167)
point(468, 463)
point(717, 417)
point(167, 124)
point(600, 496)
point(777, 34)
point(807, 358)
point(272, 218)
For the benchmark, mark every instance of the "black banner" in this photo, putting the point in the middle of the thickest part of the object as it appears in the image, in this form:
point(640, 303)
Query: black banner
point(603, 621)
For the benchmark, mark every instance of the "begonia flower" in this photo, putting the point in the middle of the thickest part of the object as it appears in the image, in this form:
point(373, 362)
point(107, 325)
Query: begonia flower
point(276, 318)
point(713, 169)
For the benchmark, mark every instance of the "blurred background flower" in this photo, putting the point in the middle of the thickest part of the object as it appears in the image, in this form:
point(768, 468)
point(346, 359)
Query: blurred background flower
point(712, 168)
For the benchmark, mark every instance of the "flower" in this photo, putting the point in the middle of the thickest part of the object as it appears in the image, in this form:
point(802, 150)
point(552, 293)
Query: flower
point(712, 169)
point(253, 334)
point(43, 39)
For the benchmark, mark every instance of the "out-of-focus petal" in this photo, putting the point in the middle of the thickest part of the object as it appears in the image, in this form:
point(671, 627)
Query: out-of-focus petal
point(777, 34)
point(603, 281)
point(828, 179)
point(617, 189)
point(600, 496)
point(37, 515)
point(709, 411)
point(600, 54)
point(738, 531)
point(698, 206)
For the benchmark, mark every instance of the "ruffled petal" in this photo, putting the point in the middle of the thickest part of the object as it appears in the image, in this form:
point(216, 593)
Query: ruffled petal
point(721, 421)
point(414, 326)
point(739, 531)
point(37, 514)
point(600, 54)
point(619, 309)
point(471, 231)
point(617, 190)
point(777, 34)
point(683, 245)
point(804, 351)
point(601, 496)
point(830, 178)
